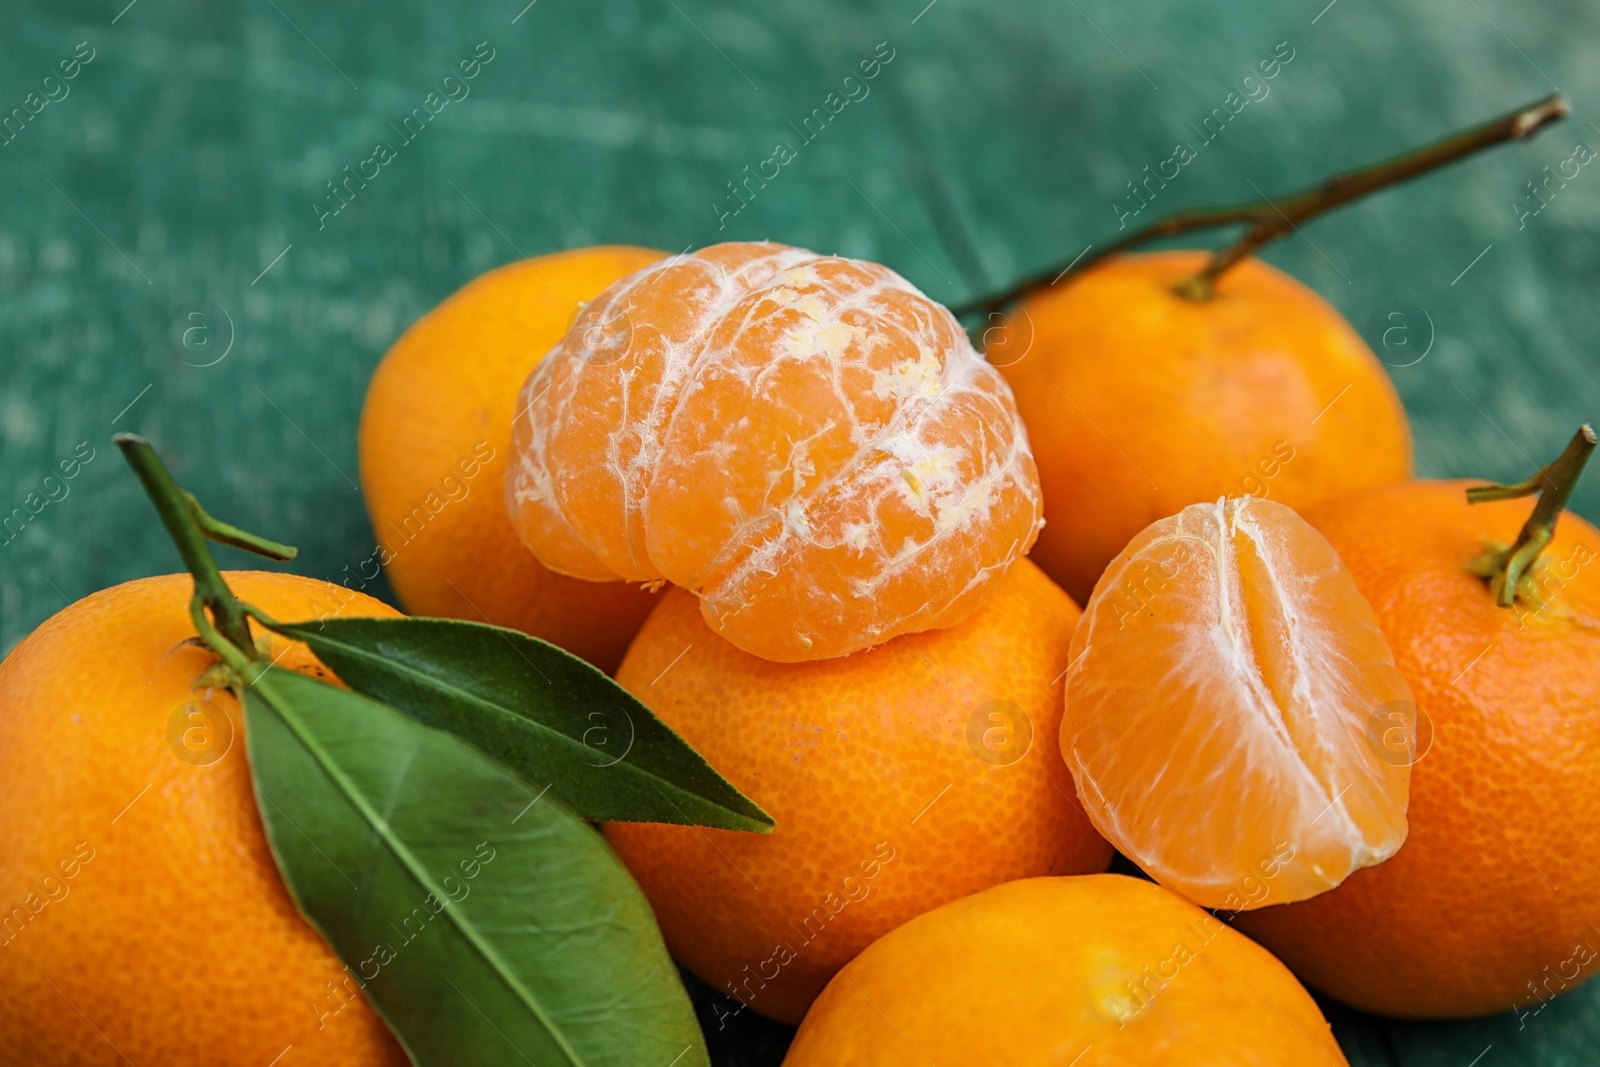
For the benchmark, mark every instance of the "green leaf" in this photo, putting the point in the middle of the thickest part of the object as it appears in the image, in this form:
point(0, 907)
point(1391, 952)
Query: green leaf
point(487, 923)
point(540, 710)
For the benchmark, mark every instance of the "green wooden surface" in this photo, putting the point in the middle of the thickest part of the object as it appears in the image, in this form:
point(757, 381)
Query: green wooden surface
point(188, 154)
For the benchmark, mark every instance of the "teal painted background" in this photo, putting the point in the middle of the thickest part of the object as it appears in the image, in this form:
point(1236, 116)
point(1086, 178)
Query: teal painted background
point(183, 168)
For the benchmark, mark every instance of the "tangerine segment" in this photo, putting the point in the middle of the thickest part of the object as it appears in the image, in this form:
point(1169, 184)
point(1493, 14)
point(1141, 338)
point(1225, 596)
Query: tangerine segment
point(806, 442)
point(1226, 677)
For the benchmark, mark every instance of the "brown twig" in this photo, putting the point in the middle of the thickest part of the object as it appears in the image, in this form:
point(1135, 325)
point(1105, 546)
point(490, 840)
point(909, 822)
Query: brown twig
point(1270, 219)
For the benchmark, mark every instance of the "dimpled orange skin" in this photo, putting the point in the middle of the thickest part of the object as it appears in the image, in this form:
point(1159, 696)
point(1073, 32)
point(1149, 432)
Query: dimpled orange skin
point(1140, 402)
point(1490, 902)
point(444, 396)
point(1065, 971)
point(808, 443)
point(884, 809)
point(177, 942)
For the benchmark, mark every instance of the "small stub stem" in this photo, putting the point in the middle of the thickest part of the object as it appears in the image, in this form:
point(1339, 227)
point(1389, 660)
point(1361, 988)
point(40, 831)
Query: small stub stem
point(1504, 567)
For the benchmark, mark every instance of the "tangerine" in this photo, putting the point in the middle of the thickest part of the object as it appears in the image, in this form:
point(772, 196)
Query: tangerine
point(434, 439)
point(900, 778)
point(806, 442)
point(1141, 402)
point(145, 919)
point(1492, 902)
point(1101, 969)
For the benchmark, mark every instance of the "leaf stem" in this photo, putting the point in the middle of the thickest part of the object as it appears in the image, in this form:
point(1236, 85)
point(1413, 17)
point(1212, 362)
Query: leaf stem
point(1270, 219)
point(1505, 567)
point(190, 526)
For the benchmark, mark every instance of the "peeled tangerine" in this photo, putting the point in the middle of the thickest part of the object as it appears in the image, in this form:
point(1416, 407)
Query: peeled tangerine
point(1232, 710)
point(806, 442)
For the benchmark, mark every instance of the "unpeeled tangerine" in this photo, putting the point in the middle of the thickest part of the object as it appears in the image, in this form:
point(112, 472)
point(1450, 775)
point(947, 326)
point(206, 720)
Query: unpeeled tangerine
point(806, 442)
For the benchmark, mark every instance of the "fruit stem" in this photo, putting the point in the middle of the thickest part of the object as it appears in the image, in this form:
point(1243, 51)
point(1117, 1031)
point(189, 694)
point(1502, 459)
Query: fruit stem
point(190, 526)
point(1503, 567)
point(1270, 219)
point(226, 534)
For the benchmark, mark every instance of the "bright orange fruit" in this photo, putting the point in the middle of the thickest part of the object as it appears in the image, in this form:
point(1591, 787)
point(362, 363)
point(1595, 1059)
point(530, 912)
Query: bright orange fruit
point(806, 442)
point(435, 437)
point(144, 918)
point(1141, 402)
point(1493, 902)
point(1224, 679)
point(901, 778)
point(1076, 972)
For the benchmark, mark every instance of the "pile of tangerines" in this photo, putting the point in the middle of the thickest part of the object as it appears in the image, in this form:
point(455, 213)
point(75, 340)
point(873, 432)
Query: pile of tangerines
point(1338, 717)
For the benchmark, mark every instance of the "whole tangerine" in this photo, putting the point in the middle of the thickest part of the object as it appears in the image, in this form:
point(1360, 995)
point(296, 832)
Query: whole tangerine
point(900, 778)
point(1097, 970)
point(1140, 401)
point(145, 920)
point(1490, 904)
point(434, 440)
